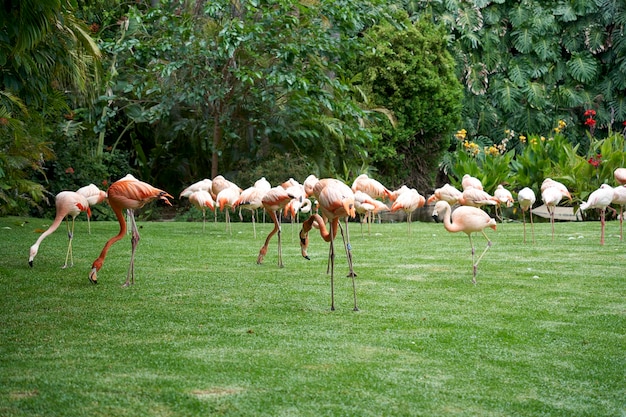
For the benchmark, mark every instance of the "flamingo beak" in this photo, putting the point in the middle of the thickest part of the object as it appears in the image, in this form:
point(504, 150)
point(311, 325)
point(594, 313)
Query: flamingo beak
point(30, 263)
point(93, 276)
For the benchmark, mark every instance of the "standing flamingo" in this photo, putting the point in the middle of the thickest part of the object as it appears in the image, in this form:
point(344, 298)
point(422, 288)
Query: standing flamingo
point(251, 199)
point(504, 197)
point(202, 200)
point(225, 200)
point(471, 182)
point(127, 193)
point(620, 175)
point(371, 187)
point(526, 198)
point(203, 185)
point(94, 196)
point(466, 219)
point(619, 198)
point(68, 204)
point(336, 201)
point(477, 198)
point(552, 192)
point(600, 199)
point(408, 202)
point(366, 206)
point(446, 193)
point(273, 201)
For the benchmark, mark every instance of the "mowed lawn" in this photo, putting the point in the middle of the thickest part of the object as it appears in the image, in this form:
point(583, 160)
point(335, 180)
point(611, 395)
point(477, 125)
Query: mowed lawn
point(207, 331)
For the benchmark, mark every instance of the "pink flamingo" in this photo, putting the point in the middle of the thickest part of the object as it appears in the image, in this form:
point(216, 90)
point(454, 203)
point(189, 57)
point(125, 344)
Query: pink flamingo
point(466, 219)
point(504, 197)
point(202, 200)
point(94, 196)
point(619, 198)
point(336, 201)
point(527, 198)
point(273, 201)
point(471, 182)
point(446, 193)
point(127, 193)
point(68, 204)
point(408, 202)
point(600, 199)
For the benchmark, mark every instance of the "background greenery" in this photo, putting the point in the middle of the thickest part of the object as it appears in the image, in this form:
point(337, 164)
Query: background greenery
point(176, 91)
point(207, 331)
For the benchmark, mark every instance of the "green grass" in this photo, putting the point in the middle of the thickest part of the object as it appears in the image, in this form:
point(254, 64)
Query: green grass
point(206, 331)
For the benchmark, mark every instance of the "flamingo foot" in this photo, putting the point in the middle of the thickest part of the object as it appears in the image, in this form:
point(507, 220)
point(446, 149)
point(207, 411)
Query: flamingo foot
point(30, 263)
point(351, 274)
point(355, 309)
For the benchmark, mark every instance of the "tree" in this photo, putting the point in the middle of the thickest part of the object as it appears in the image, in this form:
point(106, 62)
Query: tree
point(410, 72)
point(44, 53)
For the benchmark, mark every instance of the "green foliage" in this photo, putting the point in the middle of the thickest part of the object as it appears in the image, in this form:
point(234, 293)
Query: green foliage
point(411, 73)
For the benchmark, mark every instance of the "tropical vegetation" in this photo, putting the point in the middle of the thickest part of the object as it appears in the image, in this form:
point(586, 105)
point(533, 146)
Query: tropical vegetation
point(174, 91)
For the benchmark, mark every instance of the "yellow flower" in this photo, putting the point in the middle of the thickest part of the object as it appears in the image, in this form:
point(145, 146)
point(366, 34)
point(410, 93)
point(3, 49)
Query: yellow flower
point(522, 138)
point(461, 134)
point(543, 138)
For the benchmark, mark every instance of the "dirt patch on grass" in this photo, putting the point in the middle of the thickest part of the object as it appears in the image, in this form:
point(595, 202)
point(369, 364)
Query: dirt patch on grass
point(215, 392)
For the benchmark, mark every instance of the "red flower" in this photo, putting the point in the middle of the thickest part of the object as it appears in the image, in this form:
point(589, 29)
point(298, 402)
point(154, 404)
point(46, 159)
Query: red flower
point(590, 122)
point(105, 182)
point(624, 123)
point(69, 170)
point(589, 113)
point(595, 160)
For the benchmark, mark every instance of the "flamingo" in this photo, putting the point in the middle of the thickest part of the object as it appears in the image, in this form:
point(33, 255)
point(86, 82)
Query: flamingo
point(477, 198)
point(336, 201)
point(363, 206)
point(408, 201)
point(620, 175)
point(94, 196)
point(526, 198)
point(446, 193)
point(202, 199)
point(203, 185)
point(371, 187)
point(309, 183)
point(274, 200)
point(251, 199)
point(471, 182)
point(68, 204)
point(503, 196)
point(552, 192)
point(225, 200)
point(466, 219)
point(127, 193)
point(619, 198)
point(600, 199)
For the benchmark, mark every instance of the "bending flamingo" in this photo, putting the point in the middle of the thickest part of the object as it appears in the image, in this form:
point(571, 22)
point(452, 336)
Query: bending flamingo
point(336, 201)
point(273, 201)
point(202, 200)
point(127, 193)
point(466, 219)
point(68, 204)
point(94, 196)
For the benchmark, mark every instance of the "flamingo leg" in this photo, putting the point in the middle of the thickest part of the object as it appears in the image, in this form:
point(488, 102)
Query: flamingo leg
point(524, 221)
point(621, 219)
point(331, 265)
point(263, 250)
point(552, 222)
point(253, 224)
point(280, 248)
point(70, 235)
point(532, 225)
point(602, 213)
point(203, 220)
point(351, 274)
point(134, 241)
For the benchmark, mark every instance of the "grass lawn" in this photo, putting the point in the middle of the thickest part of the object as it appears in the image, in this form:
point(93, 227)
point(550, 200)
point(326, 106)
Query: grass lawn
point(206, 331)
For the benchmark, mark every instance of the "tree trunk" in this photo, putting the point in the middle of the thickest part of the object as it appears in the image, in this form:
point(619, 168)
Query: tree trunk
point(217, 142)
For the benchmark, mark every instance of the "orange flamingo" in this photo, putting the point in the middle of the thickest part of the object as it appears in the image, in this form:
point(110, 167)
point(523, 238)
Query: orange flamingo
point(127, 193)
point(527, 198)
point(408, 202)
point(336, 201)
point(466, 219)
point(273, 201)
point(477, 198)
point(203, 185)
point(68, 204)
point(600, 199)
point(225, 200)
point(251, 199)
point(94, 196)
point(202, 200)
point(372, 187)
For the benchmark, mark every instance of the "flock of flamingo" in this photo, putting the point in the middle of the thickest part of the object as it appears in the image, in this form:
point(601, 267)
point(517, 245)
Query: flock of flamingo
point(460, 209)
